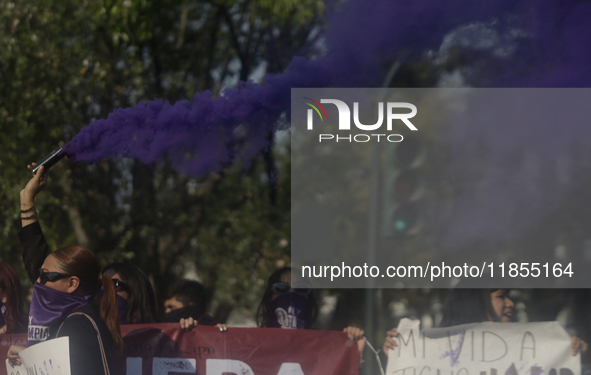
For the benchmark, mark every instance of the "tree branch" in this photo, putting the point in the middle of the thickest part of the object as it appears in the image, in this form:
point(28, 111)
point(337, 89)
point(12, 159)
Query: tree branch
point(184, 16)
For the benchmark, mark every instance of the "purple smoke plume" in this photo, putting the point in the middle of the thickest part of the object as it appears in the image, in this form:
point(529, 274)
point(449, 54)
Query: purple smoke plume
point(195, 135)
point(547, 45)
point(362, 34)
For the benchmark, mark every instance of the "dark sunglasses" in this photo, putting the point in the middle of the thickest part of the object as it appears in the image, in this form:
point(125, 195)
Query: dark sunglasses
point(51, 276)
point(120, 285)
point(282, 288)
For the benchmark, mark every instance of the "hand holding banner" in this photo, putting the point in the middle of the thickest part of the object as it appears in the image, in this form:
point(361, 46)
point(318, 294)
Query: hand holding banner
point(16, 370)
point(51, 357)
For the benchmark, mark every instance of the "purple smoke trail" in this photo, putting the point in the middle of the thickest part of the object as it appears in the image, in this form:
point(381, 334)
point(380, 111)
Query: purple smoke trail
point(549, 40)
point(362, 34)
point(195, 135)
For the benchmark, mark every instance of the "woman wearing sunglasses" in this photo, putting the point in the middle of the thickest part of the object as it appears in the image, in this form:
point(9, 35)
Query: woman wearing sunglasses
point(135, 295)
point(285, 307)
point(294, 306)
point(137, 303)
point(12, 315)
point(64, 301)
point(64, 304)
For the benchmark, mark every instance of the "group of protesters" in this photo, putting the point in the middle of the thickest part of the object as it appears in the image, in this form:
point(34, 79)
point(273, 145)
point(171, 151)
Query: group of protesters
point(72, 296)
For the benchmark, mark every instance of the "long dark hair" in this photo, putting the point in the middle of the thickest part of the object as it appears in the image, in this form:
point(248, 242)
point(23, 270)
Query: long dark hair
point(141, 305)
point(80, 262)
point(463, 306)
point(16, 321)
point(265, 314)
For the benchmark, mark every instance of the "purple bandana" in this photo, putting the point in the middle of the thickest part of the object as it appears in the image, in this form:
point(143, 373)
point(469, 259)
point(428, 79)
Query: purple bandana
point(290, 309)
point(48, 306)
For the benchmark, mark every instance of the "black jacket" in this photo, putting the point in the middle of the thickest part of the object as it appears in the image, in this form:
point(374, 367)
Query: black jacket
point(35, 249)
point(85, 353)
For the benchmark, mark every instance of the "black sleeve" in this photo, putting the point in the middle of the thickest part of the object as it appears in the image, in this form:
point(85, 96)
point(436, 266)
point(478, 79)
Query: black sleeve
point(85, 352)
point(35, 249)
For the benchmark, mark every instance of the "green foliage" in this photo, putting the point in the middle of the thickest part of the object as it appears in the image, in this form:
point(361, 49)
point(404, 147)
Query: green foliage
point(300, 11)
point(65, 63)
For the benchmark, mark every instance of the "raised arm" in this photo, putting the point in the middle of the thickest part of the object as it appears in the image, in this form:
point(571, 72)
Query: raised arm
point(35, 248)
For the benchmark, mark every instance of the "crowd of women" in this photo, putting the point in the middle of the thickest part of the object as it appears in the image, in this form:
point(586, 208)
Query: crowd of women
point(72, 296)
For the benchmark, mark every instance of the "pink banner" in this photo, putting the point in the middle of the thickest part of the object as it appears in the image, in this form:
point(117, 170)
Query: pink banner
point(160, 349)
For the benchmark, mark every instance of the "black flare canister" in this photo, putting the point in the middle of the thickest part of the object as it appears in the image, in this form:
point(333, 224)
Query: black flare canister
point(48, 161)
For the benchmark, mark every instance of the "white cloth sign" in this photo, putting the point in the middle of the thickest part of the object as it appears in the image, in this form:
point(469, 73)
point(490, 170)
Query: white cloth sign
point(483, 349)
point(51, 357)
point(16, 370)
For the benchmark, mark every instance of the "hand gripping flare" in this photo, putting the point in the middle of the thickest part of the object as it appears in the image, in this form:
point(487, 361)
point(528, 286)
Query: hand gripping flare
point(48, 161)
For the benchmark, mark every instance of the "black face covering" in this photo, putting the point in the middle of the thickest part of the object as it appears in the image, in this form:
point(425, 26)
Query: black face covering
point(191, 311)
point(290, 311)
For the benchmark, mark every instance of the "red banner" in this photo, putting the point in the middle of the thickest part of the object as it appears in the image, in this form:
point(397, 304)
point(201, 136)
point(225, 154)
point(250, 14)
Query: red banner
point(161, 349)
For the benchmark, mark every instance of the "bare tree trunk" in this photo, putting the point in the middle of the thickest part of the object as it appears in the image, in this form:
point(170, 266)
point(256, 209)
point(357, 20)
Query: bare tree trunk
point(184, 16)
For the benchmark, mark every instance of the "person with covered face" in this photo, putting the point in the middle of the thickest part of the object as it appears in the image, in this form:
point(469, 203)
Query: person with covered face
point(187, 299)
point(293, 306)
point(12, 315)
point(64, 304)
point(135, 295)
point(137, 301)
point(286, 306)
point(65, 299)
point(186, 303)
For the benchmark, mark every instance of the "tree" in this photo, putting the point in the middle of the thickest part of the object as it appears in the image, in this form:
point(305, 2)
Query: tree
point(66, 63)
